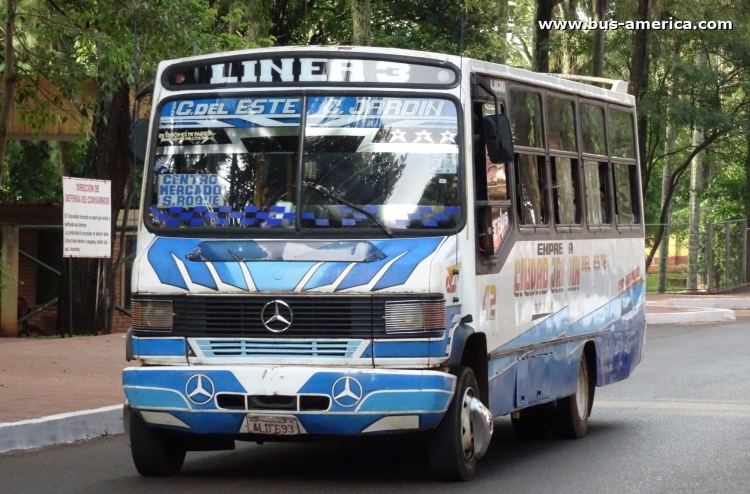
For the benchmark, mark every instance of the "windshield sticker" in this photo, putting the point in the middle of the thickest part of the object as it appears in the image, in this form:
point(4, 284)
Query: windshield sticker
point(190, 190)
point(384, 125)
point(443, 164)
point(231, 113)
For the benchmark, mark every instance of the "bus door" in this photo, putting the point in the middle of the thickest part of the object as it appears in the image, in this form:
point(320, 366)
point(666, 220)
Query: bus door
point(492, 211)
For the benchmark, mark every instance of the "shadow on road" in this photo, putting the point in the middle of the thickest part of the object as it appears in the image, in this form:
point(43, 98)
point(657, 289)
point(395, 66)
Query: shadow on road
point(395, 460)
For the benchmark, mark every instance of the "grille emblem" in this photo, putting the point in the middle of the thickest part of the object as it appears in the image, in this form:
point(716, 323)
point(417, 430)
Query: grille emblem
point(281, 318)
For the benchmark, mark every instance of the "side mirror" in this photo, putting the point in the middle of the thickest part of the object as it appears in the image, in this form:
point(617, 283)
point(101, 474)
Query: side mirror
point(139, 140)
point(498, 138)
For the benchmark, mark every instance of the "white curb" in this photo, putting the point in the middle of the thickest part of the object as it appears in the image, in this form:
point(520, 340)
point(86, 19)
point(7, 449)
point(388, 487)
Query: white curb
point(735, 303)
point(62, 428)
point(691, 314)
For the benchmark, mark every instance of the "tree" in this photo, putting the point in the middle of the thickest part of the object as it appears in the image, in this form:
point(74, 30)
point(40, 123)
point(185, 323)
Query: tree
point(597, 59)
point(361, 34)
point(639, 77)
point(541, 36)
point(80, 39)
point(9, 81)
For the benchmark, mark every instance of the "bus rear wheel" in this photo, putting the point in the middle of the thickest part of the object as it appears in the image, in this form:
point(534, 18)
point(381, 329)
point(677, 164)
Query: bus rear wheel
point(155, 453)
point(571, 418)
point(451, 447)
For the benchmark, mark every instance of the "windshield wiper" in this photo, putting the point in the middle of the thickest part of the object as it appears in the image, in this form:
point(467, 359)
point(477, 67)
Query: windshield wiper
point(343, 201)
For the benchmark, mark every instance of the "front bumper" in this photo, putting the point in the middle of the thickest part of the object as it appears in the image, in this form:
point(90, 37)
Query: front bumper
point(362, 401)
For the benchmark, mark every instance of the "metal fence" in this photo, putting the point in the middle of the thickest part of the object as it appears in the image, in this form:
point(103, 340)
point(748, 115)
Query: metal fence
point(720, 257)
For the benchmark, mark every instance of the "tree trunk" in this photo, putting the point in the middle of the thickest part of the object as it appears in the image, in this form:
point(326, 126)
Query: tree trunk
point(107, 158)
point(541, 36)
point(597, 62)
point(639, 82)
point(502, 31)
point(9, 82)
point(747, 200)
point(361, 34)
point(569, 10)
point(696, 187)
point(666, 174)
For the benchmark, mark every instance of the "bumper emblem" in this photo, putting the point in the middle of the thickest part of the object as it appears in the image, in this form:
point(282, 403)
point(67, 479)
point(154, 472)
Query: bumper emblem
point(346, 391)
point(199, 389)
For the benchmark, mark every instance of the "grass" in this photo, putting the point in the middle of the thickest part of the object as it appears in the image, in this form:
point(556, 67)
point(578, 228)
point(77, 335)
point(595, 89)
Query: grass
point(673, 282)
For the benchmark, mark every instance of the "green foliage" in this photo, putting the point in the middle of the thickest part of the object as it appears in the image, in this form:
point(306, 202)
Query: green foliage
point(31, 173)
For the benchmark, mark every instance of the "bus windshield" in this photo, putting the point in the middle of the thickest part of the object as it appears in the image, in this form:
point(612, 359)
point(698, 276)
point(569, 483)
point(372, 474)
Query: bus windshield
point(235, 163)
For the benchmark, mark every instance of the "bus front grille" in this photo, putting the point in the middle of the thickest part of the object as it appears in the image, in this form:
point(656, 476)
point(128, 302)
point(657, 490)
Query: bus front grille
point(313, 316)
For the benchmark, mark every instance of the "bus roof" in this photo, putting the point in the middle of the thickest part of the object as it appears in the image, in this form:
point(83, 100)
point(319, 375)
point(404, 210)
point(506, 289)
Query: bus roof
point(548, 81)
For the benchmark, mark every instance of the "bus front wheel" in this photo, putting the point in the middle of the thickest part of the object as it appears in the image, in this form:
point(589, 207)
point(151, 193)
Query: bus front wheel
point(570, 419)
point(451, 448)
point(155, 453)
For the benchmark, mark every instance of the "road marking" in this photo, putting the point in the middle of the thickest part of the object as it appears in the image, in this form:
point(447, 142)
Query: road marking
point(693, 407)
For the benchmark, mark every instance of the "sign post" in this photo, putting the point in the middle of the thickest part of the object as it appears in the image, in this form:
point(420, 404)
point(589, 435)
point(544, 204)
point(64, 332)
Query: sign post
point(87, 224)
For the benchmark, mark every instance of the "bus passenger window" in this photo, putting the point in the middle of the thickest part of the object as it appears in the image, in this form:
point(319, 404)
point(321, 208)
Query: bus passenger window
point(592, 130)
point(497, 184)
point(626, 211)
point(526, 119)
point(561, 125)
point(564, 191)
point(532, 193)
point(597, 199)
point(621, 134)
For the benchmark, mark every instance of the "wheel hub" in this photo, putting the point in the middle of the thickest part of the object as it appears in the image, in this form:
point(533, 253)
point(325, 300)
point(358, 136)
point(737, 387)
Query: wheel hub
point(467, 425)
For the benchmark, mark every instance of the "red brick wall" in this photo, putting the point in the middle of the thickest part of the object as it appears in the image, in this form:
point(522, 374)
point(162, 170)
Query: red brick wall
point(27, 274)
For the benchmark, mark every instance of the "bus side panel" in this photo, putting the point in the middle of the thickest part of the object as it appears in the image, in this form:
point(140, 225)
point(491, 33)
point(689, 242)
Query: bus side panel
point(620, 351)
point(599, 291)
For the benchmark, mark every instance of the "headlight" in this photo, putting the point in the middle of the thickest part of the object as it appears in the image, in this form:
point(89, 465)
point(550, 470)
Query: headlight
point(410, 316)
point(152, 315)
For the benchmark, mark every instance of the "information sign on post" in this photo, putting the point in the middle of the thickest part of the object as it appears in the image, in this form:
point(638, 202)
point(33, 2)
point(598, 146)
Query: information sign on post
point(87, 218)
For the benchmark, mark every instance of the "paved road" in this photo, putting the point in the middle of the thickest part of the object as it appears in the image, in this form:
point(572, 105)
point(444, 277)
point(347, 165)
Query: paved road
point(680, 424)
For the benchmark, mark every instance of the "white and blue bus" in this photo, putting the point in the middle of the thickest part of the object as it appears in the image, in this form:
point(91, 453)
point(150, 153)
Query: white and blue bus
point(343, 241)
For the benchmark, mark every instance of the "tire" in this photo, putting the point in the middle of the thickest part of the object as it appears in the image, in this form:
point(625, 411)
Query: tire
point(155, 452)
point(571, 418)
point(451, 446)
point(531, 423)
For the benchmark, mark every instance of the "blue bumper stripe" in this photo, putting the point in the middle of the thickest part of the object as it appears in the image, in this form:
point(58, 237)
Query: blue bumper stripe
point(153, 347)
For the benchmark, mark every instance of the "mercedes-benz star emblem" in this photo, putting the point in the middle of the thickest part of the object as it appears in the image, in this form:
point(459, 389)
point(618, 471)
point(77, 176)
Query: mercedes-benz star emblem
point(199, 389)
point(280, 320)
point(346, 391)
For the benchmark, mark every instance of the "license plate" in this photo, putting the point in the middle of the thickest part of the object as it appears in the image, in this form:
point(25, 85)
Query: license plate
point(274, 425)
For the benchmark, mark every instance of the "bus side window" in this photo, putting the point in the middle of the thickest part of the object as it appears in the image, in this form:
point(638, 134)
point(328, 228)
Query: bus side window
point(562, 140)
point(532, 189)
point(597, 200)
point(624, 175)
point(621, 134)
point(564, 190)
point(592, 129)
point(626, 203)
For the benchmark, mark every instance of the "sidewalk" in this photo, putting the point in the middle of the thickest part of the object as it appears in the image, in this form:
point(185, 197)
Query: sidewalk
point(39, 378)
point(680, 305)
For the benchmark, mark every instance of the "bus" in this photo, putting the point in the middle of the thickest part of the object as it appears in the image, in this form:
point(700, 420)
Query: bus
point(352, 241)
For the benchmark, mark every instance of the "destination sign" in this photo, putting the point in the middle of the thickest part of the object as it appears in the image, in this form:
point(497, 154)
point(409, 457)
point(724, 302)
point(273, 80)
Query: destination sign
point(303, 70)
